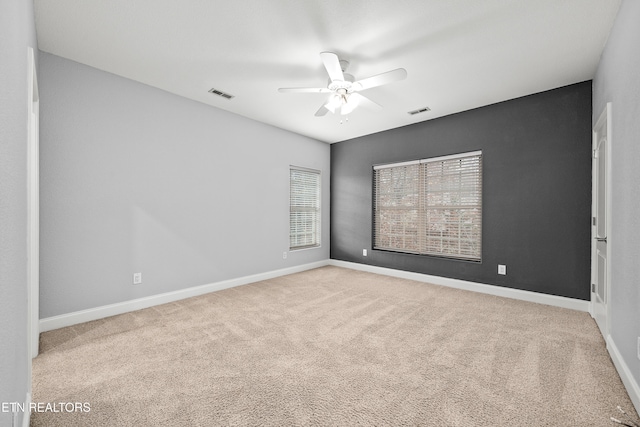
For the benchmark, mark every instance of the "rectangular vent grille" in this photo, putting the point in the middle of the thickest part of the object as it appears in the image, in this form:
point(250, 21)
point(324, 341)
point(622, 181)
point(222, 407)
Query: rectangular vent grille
point(420, 110)
point(220, 93)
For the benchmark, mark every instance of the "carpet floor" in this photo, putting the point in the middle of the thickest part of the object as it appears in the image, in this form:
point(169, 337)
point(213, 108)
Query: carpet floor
point(332, 347)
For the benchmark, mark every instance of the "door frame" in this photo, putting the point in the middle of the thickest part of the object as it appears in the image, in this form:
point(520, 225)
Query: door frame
point(33, 207)
point(603, 120)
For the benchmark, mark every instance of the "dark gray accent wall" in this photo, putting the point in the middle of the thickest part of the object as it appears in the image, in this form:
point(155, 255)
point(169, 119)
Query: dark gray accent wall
point(536, 191)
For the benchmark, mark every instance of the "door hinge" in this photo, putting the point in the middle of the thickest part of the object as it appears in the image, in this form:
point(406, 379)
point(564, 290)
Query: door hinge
point(593, 220)
point(593, 288)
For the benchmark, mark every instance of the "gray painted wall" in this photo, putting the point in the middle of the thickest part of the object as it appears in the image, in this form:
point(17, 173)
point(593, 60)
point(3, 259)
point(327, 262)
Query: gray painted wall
point(618, 81)
point(536, 191)
point(135, 179)
point(17, 32)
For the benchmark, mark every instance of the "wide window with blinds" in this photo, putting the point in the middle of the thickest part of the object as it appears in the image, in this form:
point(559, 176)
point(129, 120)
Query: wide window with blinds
point(304, 208)
point(430, 206)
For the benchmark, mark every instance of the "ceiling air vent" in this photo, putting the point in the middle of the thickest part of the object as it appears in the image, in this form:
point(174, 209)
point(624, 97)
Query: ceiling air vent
point(220, 93)
point(420, 110)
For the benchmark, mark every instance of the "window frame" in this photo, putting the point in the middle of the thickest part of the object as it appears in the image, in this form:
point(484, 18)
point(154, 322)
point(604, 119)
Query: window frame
point(403, 212)
point(296, 227)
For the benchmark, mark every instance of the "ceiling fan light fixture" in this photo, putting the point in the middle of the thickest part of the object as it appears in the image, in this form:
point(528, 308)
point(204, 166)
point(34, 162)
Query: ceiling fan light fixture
point(347, 108)
point(334, 103)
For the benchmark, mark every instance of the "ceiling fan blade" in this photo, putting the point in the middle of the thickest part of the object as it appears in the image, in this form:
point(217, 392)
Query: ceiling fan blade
point(380, 79)
point(304, 90)
point(321, 111)
point(332, 64)
point(333, 104)
point(355, 100)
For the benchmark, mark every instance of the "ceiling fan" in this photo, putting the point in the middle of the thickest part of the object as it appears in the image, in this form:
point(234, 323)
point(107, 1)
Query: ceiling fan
point(343, 88)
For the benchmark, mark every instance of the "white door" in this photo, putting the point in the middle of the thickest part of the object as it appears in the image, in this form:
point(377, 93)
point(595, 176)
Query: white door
point(600, 225)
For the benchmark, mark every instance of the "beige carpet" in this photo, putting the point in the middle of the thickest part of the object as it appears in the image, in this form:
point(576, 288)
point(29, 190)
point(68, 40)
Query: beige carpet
point(332, 347)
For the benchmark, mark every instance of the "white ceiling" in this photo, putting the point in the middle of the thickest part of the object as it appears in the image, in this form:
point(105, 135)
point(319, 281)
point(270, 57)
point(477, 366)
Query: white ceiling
point(459, 54)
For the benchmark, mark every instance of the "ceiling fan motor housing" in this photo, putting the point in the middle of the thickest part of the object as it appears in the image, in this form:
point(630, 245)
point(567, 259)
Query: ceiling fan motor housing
point(345, 85)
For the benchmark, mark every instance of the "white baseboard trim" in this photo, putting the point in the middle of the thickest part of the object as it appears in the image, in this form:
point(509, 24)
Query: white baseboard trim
point(518, 294)
point(633, 389)
point(69, 319)
point(64, 320)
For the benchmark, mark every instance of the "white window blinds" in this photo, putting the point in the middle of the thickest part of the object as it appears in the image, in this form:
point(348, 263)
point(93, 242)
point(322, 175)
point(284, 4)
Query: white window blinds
point(431, 206)
point(304, 208)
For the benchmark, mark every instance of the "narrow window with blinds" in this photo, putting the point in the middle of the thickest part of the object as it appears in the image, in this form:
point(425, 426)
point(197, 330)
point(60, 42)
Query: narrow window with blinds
point(430, 206)
point(304, 208)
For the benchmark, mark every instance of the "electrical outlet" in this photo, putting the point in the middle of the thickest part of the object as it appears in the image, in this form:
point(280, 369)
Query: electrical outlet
point(364, 252)
point(502, 269)
point(284, 255)
point(137, 278)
